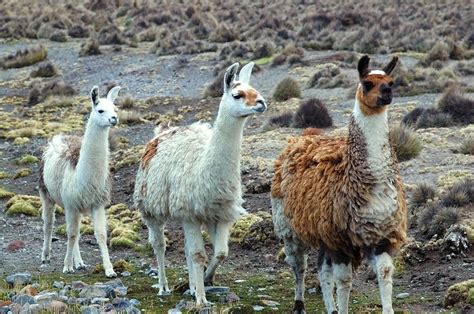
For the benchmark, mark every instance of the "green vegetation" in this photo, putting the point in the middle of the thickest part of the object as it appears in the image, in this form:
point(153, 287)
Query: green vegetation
point(286, 89)
point(405, 142)
point(27, 159)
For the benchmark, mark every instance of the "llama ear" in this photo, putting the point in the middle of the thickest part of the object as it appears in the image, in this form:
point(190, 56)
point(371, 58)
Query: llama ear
point(246, 72)
point(113, 93)
point(363, 66)
point(229, 75)
point(389, 67)
point(95, 95)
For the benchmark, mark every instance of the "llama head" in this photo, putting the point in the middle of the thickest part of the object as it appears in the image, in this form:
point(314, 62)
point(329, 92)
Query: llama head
point(104, 112)
point(375, 89)
point(241, 100)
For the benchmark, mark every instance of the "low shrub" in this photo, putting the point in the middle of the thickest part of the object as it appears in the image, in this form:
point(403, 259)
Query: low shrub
point(312, 113)
point(454, 103)
point(286, 89)
point(422, 193)
point(25, 57)
point(405, 142)
point(45, 70)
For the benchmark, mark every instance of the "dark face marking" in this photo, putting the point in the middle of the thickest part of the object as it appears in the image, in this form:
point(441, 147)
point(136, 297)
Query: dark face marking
point(95, 96)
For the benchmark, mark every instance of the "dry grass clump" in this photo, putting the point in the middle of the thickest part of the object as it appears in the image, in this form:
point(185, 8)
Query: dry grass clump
point(126, 102)
point(454, 103)
point(412, 117)
point(405, 142)
point(90, 48)
point(420, 80)
point(78, 31)
point(286, 89)
point(129, 117)
point(57, 88)
point(312, 113)
point(460, 194)
point(282, 120)
point(439, 52)
point(263, 50)
point(47, 69)
point(329, 76)
point(467, 146)
point(432, 118)
point(422, 193)
point(465, 67)
point(59, 36)
point(25, 57)
point(216, 88)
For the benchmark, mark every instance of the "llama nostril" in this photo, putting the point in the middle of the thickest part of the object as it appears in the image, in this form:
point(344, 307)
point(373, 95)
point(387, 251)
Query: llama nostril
point(113, 120)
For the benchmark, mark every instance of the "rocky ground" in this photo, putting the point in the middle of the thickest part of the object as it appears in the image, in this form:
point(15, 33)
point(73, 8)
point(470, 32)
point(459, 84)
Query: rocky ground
point(162, 89)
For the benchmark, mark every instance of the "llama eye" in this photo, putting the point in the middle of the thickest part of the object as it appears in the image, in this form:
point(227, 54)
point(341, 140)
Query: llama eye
point(100, 111)
point(368, 85)
point(237, 96)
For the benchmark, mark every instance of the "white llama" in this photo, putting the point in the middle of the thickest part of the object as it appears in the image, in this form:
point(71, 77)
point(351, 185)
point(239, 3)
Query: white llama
point(192, 174)
point(75, 174)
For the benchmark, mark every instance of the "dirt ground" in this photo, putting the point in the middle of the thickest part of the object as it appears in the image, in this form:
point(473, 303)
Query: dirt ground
point(425, 277)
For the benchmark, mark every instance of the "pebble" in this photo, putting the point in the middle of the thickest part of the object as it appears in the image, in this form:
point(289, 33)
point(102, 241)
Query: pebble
point(402, 295)
point(58, 307)
point(312, 290)
point(126, 274)
point(23, 299)
point(152, 272)
point(216, 289)
point(29, 290)
point(78, 285)
point(270, 303)
point(97, 291)
point(58, 284)
point(19, 279)
point(135, 302)
point(100, 300)
point(91, 309)
point(45, 297)
point(258, 308)
point(232, 298)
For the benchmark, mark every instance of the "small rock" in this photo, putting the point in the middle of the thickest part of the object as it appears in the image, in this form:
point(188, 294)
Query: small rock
point(126, 274)
point(258, 308)
point(15, 246)
point(174, 311)
point(97, 291)
point(312, 290)
point(239, 280)
point(402, 295)
point(216, 290)
point(152, 272)
point(29, 290)
point(121, 303)
point(109, 308)
point(135, 302)
point(58, 284)
point(58, 307)
point(78, 285)
point(32, 309)
point(232, 298)
point(270, 303)
point(6, 310)
point(100, 300)
point(23, 299)
point(82, 301)
point(91, 309)
point(21, 279)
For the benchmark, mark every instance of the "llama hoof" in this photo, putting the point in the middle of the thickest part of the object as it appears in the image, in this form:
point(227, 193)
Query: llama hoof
point(68, 269)
point(110, 273)
point(202, 302)
point(81, 265)
point(164, 291)
point(45, 261)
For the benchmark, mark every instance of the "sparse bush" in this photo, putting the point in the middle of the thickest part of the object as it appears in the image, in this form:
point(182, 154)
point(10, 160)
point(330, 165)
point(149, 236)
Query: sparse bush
point(422, 193)
point(58, 88)
point(312, 113)
point(25, 57)
point(432, 118)
point(286, 89)
point(90, 48)
point(216, 88)
point(467, 146)
point(465, 68)
point(459, 195)
point(457, 52)
point(281, 120)
point(129, 117)
point(59, 36)
point(435, 220)
point(411, 118)
point(126, 102)
point(440, 51)
point(222, 34)
point(265, 49)
point(405, 142)
point(78, 31)
point(291, 53)
point(329, 76)
point(45, 70)
point(110, 35)
point(461, 108)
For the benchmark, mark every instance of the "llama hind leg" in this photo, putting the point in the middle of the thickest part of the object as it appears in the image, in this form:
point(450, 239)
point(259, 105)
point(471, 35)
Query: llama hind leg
point(198, 256)
point(383, 267)
point(100, 231)
point(326, 280)
point(157, 239)
point(343, 277)
point(219, 234)
point(48, 223)
point(72, 226)
point(296, 258)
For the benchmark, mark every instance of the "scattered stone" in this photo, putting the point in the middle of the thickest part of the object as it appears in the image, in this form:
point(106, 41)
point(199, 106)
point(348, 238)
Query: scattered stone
point(5, 303)
point(232, 298)
point(258, 308)
point(78, 285)
point(97, 291)
point(100, 300)
point(152, 272)
point(402, 295)
point(21, 279)
point(58, 284)
point(23, 299)
point(46, 297)
point(15, 246)
point(91, 309)
point(126, 274)
point(29, 290)
point(270, 303)
point(312, 290)
point(58, 307)
point(135, 302)
point(216, 290)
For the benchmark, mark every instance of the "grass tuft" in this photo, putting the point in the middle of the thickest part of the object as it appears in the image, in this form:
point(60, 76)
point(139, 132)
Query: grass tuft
point(312, 113)
point(45, 70)
point(27, 159)
point(467, 146)
point(405, 142)
point(454, 103)
point(25, 57)
point(460, 194)
point(286, 89)
point(422, 193)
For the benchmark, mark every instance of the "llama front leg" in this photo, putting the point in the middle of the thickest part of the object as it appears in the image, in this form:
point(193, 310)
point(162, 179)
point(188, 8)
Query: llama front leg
point(76, 253)
point(198, 256)
point(48, 223)
point(190, 265)
point(383, 267)
point(343, 278)
point(326, 280)
point(296, 258)
point(100, 231)
point(157, 238)
point(219, 234)
point(72, 226)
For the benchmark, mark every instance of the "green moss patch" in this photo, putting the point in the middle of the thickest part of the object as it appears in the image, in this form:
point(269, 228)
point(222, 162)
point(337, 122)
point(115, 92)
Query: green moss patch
point(122, 242)
point(23, 207)
point(4, 175)
point(5, 194)
point(241, 228)
point(462, 292)
point(27, 159)
point(24, 172)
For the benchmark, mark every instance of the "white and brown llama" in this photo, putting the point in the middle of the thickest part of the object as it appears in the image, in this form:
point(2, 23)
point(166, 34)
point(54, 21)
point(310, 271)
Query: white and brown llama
point(344, 196)
point(75, 175)
point(192, 174)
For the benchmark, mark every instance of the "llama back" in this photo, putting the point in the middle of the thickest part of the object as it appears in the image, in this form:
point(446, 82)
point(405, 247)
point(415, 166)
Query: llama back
point(170, 165)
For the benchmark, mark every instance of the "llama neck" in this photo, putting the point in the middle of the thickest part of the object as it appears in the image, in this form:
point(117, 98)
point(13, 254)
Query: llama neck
point(93, 163)
point(371, 131)
point(223, 152)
